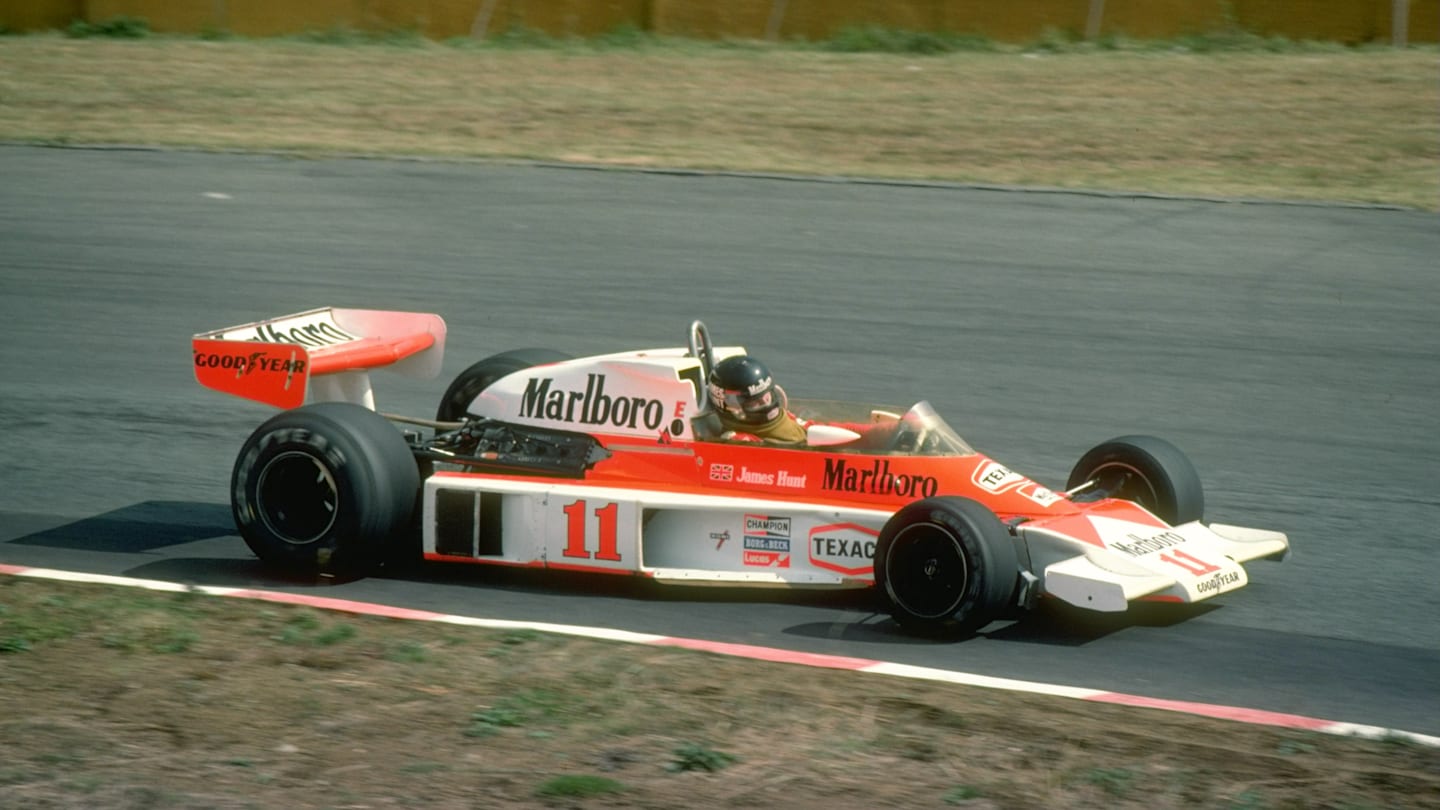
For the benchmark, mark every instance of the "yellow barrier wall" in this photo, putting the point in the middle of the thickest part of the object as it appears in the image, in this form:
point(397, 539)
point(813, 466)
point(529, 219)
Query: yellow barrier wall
point(1157, 19)
point(1022, 20)
point(1019, 20)
point(743, 19)
point(39, 15)
point(1316, 19)
point(1340, 20)
point(1010, 21)
point(443, 19)
point(1424, 21)
point(253, 18)
point(439, 19)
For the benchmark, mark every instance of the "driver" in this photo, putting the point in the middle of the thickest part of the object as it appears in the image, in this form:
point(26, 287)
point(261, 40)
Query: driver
point(751, 407)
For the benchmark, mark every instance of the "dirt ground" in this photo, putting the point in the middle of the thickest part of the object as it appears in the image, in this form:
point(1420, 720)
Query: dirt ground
point(1330, 125)
point(111, 697)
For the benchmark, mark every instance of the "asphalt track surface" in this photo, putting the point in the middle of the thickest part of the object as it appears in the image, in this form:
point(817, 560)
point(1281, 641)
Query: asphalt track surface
point(1293, 351)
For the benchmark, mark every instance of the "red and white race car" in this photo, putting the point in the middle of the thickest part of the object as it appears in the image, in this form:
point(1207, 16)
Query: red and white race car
point(614, 464)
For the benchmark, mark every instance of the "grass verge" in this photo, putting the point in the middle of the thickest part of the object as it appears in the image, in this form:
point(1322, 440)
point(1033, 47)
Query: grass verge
point(265, 705)
point(1311, 123)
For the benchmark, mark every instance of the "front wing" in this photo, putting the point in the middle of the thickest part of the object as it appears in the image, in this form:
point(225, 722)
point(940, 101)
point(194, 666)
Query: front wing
point(1123, 560)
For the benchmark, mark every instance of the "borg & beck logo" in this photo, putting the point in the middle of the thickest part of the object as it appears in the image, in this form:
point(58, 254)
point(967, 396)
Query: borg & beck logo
point(846, 548)
point(589, 407)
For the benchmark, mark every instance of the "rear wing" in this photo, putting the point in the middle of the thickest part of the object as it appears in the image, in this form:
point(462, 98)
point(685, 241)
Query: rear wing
point(323, 355)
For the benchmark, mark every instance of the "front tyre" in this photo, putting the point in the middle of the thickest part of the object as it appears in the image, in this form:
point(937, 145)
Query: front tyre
point(946, 566)
point(324, 489)
point(1149, 471)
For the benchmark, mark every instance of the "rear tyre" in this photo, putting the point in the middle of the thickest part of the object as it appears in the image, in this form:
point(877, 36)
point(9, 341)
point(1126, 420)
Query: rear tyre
point(946, 566)
point(324, 489)
point(1149, 471)
point(468, 384)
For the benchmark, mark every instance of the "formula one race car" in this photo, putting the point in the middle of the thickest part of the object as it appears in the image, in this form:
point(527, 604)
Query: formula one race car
point(616, 464)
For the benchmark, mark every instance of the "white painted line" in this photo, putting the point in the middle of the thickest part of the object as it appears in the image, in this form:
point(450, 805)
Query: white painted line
point(985, 681)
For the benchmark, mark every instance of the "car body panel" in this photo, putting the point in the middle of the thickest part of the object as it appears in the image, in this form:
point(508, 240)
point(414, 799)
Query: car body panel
point(668, 536)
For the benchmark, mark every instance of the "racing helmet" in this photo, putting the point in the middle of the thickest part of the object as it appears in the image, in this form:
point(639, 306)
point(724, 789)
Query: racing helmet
point(742, 390)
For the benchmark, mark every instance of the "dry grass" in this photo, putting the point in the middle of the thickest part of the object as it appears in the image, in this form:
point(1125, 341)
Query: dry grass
point(1324, 125)
point(196, 701)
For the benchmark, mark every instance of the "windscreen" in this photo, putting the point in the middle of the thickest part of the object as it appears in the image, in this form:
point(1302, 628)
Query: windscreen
point(886, 429)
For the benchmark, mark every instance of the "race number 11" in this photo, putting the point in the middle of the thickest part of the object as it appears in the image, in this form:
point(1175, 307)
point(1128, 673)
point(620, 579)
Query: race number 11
point(1189, 563)
point(577, 531)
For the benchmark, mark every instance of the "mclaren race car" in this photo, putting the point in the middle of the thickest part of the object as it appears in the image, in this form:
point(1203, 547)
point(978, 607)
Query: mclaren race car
point(617, 464)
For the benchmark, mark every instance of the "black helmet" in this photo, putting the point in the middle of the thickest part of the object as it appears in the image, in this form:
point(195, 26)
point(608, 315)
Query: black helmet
point(742, 390)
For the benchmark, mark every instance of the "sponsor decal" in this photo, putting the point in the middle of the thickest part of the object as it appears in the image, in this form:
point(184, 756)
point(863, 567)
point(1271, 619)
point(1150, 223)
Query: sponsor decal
point(766, 559)
point(257, 361)
point(677, 424)
point(1218, 582)
point(876, 478)
point(589, 407)
point(781, 478)
point(764, 543)
point(767, 525)
point(719, 538)
point(995, 477)
point(311, 333)
point(722, 472)
point(846, 548)
point(1139, 545)
point(999, 479)
point(719, 391)
point(749, 476)
point(1039, 494)
point(767, 551)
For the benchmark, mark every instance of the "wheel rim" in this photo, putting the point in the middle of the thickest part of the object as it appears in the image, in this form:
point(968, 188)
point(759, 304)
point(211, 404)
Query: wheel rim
point(1123, 481)
point(926, 571)
point(296, 498)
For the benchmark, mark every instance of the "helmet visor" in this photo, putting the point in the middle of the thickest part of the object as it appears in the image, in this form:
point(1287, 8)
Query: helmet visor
point(752, 409)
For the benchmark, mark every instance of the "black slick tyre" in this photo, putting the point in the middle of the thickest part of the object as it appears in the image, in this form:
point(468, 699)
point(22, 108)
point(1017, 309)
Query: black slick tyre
point(1149, 471)
point(946, 566)
point(468, 384)
point(324, 490)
